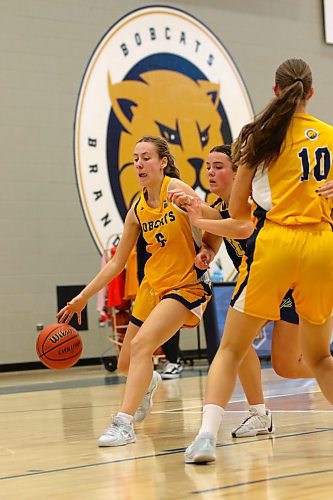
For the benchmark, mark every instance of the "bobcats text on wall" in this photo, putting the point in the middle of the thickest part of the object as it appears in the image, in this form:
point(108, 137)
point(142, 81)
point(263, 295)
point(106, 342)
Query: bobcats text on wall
point(157, 71)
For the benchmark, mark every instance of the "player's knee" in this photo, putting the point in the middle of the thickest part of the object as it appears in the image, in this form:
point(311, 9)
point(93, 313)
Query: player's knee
point(140, 346)
point(233, 352)
point(283, 369)
point(315, 361)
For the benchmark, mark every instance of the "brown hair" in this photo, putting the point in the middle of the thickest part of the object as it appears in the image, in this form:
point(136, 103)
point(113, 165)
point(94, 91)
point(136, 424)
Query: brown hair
point(163, 150)
point(226, 150)
point(260, 141)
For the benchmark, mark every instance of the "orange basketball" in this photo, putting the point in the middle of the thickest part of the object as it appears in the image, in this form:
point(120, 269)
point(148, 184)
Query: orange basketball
point(59, 346)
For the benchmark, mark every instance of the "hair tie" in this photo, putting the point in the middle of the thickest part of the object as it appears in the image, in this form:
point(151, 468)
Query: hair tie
point(298, 80)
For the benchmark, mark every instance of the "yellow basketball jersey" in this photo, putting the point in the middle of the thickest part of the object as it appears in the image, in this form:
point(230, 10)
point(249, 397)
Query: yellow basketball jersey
point(286, 191)
point(171, 242)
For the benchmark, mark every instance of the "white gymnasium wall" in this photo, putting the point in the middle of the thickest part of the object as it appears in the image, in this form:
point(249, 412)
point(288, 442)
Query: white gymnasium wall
point(45, 47)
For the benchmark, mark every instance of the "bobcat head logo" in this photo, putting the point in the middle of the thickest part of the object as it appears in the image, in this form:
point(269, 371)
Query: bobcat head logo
point(156, 71)
point(311, 134)
point(172, 105)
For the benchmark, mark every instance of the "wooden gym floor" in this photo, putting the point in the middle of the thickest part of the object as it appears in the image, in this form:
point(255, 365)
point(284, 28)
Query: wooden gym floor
point(50, 422)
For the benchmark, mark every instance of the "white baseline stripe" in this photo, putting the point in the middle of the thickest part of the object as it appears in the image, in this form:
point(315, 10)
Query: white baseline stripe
point(243, 400)
point(192, 410)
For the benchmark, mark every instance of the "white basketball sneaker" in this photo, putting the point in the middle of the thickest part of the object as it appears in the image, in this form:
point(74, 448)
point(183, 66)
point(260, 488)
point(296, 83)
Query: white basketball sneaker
point(118, 434)
point(254, 424)
point(171, 371)
point(202, 450)
point(147, 402)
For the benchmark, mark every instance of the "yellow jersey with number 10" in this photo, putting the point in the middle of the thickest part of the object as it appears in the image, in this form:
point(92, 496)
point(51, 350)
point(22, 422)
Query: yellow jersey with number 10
point(286, 191)
point(171, 242)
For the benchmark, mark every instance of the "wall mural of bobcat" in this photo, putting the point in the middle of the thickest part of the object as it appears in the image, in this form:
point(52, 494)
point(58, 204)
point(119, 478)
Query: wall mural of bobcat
point(156, 71)
point(186, 112)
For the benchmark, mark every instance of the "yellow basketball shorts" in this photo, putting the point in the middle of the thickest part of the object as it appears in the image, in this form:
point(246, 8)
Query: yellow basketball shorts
point(193, 297)
point(280, 258)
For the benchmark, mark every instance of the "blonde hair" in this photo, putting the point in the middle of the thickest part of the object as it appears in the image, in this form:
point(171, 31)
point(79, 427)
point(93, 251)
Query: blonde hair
point(260, 142)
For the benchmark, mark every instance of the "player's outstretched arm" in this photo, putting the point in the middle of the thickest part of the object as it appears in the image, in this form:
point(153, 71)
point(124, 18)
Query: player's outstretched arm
point(227, 228)
point(239, 207)
point(183, 196)
point(109, 271)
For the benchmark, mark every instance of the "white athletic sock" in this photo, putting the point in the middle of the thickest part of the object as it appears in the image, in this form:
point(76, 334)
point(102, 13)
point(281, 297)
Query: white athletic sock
point(260, 409)
point(211, 419)
point(125, 417)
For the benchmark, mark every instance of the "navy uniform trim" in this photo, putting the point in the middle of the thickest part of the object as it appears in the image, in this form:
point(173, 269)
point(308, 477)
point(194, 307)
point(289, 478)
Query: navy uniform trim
point(288, 310)
point(251, 245)
point(142, 256)
point(186, 303)
point(236, 248)
point(136, 210)
point(136, 321)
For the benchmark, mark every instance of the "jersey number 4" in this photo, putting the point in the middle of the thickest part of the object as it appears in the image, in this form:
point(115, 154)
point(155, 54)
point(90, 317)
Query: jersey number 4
point(322, 166)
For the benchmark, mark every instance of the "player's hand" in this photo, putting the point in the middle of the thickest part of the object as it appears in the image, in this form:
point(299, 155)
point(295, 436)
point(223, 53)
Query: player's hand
point(204, 258)
point(326, 190)
point(194, 210)
point(75, 306)
point(180, 198)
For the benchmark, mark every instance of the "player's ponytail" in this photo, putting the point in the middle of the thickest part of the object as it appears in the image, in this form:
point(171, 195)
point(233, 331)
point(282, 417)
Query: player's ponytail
point(163, 150)
point(260, 142)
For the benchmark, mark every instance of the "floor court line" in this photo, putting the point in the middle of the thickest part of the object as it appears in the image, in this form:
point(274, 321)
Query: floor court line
point(243, 400)
point(271, 437)
point(155, 455)
point(191, 410)
point(171, 410)
point(266, 480)
point(60, 408)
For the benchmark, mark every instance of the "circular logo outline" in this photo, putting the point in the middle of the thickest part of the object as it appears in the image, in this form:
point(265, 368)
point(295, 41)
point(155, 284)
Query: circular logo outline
point(95, 192)
point(311, 134)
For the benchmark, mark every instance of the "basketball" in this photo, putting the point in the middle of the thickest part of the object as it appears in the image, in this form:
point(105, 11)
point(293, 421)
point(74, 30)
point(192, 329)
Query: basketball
point(59, 346)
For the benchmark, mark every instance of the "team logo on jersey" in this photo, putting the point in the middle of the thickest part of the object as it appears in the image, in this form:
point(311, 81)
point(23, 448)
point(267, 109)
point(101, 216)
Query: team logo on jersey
point(157, 71)
point(311, 134)
point(286, 303)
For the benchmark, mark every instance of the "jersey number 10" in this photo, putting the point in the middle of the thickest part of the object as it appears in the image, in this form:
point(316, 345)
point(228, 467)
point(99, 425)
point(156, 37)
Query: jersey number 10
point(322, 166)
